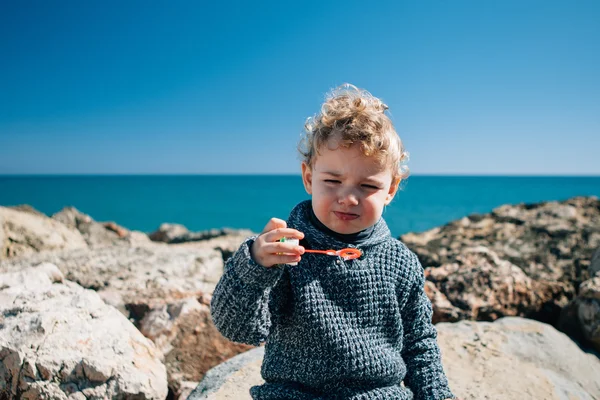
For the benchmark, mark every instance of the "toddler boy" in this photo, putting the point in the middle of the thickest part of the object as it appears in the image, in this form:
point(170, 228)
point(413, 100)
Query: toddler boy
point(336, 328)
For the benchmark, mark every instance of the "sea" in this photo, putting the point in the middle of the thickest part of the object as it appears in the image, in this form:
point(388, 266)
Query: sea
point(203, 202)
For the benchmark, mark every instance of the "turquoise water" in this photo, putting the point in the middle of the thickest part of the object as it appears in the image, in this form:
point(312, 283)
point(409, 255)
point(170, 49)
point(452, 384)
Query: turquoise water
point(203, 202)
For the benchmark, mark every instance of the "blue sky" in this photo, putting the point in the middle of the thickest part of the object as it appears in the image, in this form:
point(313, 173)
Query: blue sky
point(474, 87)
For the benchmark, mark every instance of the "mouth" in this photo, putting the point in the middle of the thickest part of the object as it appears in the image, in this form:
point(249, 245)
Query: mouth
point(345, 216)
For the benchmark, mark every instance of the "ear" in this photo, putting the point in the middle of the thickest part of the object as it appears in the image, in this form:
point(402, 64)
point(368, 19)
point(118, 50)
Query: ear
point(393, 190)
point(307, 177)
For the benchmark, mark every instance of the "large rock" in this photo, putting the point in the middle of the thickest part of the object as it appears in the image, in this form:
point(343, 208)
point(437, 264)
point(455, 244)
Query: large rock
point(480, 285)
point(135, 272)
point(164, 289)
point(534, 361)
point(511, 358)
point(60, 341)
point(98, 234)
point(23, 233)
point(548, 246)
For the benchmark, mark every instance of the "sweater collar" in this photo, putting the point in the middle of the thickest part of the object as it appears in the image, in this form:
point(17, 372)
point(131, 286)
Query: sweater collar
point(300, 219)
point(355, 239)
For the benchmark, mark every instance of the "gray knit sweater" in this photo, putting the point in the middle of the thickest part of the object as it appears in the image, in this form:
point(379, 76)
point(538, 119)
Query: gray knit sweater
point(335, 329)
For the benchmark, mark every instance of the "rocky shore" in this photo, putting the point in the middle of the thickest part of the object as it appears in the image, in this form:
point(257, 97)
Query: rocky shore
point(93, 310)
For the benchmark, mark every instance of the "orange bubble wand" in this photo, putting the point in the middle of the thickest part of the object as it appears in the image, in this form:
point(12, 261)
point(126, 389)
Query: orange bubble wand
point(346, 254)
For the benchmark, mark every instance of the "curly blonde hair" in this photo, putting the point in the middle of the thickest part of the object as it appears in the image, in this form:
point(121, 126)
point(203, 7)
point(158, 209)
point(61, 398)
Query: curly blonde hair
point(354, 116)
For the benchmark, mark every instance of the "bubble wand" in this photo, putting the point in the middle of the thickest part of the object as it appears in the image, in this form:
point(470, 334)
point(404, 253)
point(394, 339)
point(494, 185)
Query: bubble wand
point(346, 254)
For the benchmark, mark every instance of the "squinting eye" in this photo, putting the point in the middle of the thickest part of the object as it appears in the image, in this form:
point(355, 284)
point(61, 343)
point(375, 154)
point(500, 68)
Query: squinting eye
point(372, 187)
point(331, 181)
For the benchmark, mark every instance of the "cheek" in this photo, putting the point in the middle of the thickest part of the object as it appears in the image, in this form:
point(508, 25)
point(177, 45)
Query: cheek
point(325, 191)
point(376, 203)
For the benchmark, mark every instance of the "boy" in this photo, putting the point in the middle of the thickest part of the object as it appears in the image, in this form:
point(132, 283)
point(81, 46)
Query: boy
point(335, 328)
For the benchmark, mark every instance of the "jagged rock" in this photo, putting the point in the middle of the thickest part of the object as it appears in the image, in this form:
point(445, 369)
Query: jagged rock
point(548, 246)
point(28, 209)
point(176, 233)
point(189, 341)
point(98, 234)
point(113, 227)
point(60, 341)
point(138, 273)
point(595, 263)
point(588, 307)
point(511, 358)
point(168, 232)
point(143, 281)
point(480, 285)
point(581, 318)
point(23, 233)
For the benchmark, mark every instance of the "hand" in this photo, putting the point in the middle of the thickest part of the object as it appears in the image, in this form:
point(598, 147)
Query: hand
point(268, 251)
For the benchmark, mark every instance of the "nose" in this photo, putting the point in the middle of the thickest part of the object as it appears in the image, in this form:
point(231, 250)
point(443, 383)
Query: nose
point(348, 198)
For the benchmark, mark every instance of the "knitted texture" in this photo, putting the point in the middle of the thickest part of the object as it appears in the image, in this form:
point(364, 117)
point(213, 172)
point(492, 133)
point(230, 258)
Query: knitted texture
point(335, 329)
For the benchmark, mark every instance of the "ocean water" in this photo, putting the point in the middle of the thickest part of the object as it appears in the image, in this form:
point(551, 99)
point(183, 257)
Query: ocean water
point(200, 202)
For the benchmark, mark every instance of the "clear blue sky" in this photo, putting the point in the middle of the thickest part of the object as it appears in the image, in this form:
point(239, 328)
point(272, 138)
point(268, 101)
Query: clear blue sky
point(474, 87)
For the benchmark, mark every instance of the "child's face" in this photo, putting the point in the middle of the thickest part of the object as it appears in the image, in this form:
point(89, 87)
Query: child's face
point(349, 190)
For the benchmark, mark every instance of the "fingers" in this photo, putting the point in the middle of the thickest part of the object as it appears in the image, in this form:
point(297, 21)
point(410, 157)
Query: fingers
point(279, 248)
point(267, 250)
point(277, 228)
point(274, 223)
point(279, 233)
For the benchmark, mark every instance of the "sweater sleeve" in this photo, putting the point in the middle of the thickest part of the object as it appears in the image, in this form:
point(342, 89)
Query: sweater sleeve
point(239, 305)
point(425, 374)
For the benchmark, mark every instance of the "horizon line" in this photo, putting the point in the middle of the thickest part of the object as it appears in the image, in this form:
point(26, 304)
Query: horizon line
point(174, 174)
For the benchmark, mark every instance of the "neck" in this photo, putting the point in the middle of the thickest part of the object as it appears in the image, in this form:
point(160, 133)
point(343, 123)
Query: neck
point(351, 238)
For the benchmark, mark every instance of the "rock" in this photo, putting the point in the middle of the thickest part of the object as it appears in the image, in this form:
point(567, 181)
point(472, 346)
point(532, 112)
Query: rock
point(113, 227)
point(151, 281)
point(28, 209)
point(96, 234)
point(168, 232)
point(189, 341)
point(548, 246)
point(482, 286)
point(581, 318)
point(229, 243)
point(176, 233)
point(534, 360)
point(138, 273)
point(59, 341)
point(595, 263)
point(233, 378)
point(137, 238)
point(24, 279)
point(23, 233)
point(588, 311)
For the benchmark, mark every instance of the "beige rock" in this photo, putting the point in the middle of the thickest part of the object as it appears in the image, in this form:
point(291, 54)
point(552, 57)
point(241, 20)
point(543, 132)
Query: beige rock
point(61, 341)
point(143, 272)
point(164, 289)
point(98, 234)
point(23, 233)
point(168, 232)
point(511, 358)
